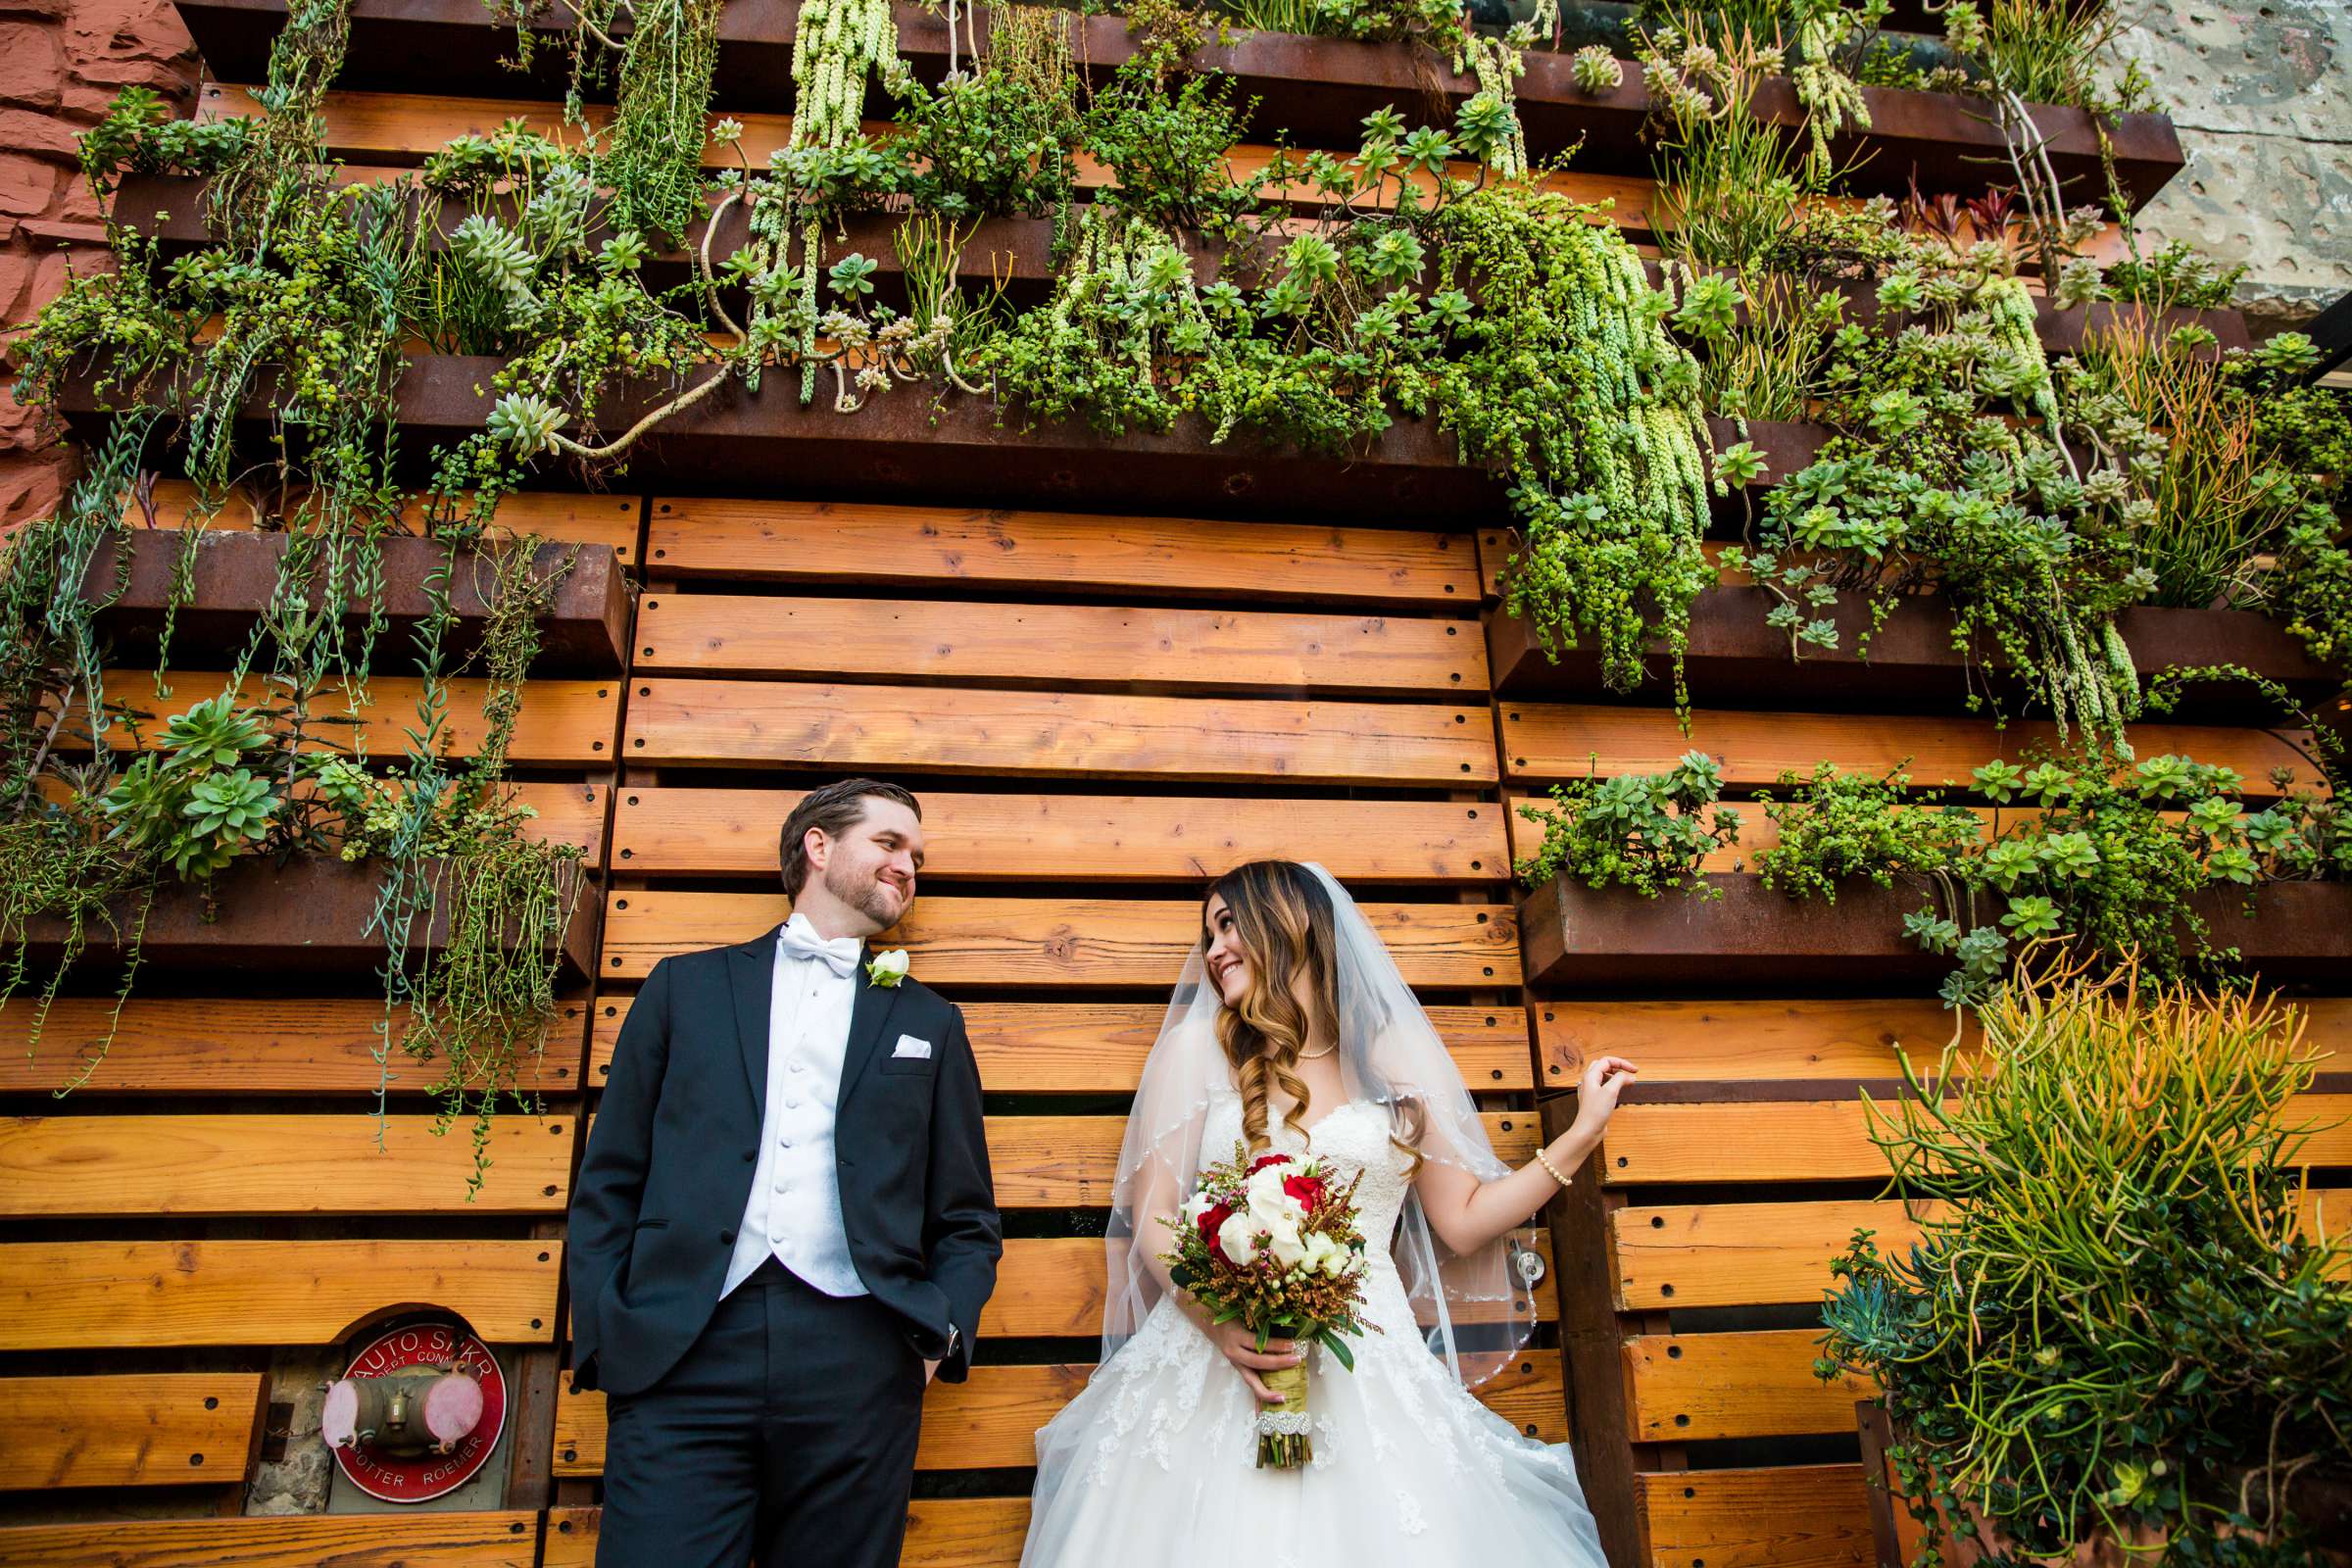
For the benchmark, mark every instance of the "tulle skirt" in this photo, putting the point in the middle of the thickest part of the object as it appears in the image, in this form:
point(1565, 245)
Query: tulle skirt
point(1154, 1463)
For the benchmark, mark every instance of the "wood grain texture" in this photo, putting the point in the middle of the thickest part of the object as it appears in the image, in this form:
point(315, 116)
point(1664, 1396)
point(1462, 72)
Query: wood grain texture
point(562, 722)
point(1688, 1387)
point(145, 1295)
point(1792, 1516)
point(173, 1429)
point(1073, 734)
point(1067, 838)
point(1070, 1161)
point(504, 1539)
point(272, 1164)
point(1740, 1255)
point(249, 1045)
point(1801, 1141)
point(1549, 740)
point(854, 542)
point(1052, 1287)
point(555, 515)
point(1741, 1042)
point(1099, 1048)
point(924, 640)
point(1052, 942)
point(989, 1421)
point(940, 1533)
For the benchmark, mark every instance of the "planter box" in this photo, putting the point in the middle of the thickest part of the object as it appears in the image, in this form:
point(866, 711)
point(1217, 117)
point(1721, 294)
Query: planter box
point(901, 447)
point(586, 633)
point(1318, 89)
point(1571, 936)
point(309, 917)
point(1736, 659)
point(169, 209)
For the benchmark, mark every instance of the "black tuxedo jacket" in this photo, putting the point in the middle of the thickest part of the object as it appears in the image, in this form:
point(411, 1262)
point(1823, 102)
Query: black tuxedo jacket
point(670, 1157)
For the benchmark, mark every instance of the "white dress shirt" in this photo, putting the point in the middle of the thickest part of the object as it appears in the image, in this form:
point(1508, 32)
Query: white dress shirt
point(794, 1212)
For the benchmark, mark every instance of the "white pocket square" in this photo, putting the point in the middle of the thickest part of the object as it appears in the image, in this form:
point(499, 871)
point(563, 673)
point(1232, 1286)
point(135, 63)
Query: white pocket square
point(909, 1046)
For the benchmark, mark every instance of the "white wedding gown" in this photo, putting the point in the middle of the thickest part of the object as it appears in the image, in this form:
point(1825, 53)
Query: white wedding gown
point(1154, 1463)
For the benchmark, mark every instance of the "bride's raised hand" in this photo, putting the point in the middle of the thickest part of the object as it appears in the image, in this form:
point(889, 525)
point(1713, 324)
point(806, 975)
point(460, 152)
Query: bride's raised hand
point(1238, 1343)
point(1604, 1079)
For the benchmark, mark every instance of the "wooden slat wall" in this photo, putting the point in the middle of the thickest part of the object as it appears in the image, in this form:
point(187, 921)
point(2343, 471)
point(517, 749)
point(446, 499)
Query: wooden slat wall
point(1137, 705)
point(221, 1186)
point(1099, 712)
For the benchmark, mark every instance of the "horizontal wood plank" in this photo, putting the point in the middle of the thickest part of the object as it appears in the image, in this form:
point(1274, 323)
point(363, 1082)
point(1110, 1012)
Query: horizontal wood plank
point(1688, 1388)
point(1052, 1287)
point(940, 1533)
point(1072, 734)
point(562, 722)
point(856, 542)
point(1744, 1254)
point(172, 1429)
point(989, 1421)
point(1821, 1039)
point(1551, 741)
point(1072, 1162)
point(273, 1164)
point(244, 1045)
point(1053, 942)
point(1793, 1516)
point(410, 1540)
point(563, 516)
point(1063, 838)
point(926, 640)
point(1827, 1140)
point(1099, 1046)
point(147, 1294)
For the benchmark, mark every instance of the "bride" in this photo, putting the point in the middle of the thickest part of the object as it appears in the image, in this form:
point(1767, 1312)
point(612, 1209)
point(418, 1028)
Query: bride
point(1293, 1032)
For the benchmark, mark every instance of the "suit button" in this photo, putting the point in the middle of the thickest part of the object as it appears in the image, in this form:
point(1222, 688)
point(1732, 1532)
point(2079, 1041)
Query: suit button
point(748, 1157)
point(726, 1238)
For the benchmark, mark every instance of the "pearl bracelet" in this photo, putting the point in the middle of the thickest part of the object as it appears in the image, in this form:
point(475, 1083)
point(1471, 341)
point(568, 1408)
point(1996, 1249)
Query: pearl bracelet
point(1549, 1169)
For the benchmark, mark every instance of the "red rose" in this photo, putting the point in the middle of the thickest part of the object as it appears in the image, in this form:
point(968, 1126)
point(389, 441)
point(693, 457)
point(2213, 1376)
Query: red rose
point(1263, 1160)
point(1211, 1222)
point(1309, 1190)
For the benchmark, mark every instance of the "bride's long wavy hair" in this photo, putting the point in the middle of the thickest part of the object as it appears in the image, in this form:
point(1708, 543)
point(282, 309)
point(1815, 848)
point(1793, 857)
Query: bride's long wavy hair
point(1282, 919)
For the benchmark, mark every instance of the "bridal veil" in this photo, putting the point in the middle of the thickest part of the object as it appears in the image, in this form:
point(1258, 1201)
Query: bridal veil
point(1474, 1310)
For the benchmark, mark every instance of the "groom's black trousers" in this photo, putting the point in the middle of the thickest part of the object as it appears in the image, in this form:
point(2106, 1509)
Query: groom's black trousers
point(786, 1435)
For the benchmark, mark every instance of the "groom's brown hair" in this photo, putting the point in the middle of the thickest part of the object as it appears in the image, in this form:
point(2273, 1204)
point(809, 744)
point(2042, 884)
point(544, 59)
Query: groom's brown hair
point(836, 808)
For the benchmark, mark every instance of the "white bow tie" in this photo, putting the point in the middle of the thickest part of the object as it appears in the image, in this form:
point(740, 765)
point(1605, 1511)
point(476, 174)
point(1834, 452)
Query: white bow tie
point(841, 954)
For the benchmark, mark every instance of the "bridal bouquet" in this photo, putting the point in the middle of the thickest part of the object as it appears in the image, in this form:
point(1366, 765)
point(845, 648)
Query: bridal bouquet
point(1273, 1242)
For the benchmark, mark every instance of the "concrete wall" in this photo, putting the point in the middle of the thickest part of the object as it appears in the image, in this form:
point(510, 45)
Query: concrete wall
point(2262, 94)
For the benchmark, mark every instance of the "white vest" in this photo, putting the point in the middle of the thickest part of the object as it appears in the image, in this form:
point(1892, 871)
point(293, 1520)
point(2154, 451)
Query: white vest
point(794, 1208)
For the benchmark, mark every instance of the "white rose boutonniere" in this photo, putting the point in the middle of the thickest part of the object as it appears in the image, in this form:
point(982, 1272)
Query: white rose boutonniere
point(888, 968)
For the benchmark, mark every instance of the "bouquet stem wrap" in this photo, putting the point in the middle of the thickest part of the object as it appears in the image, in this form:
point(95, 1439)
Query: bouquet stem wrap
point(1284, 1442)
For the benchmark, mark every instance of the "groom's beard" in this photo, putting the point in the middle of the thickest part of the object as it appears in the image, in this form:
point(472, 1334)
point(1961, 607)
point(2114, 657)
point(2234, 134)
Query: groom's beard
point(867, 895)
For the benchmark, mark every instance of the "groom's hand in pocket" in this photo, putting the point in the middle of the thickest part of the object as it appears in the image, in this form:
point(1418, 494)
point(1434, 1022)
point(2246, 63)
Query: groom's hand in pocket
point(1239, 1344)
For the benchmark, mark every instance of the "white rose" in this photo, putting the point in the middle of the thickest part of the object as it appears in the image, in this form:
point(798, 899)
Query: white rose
point(1237, 1238)
point(888, 968)
point(1194, 1207)
point(1322, 1254)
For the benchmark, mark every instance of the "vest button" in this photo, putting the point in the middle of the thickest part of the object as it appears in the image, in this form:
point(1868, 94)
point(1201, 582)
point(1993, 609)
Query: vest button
point(726, 1238)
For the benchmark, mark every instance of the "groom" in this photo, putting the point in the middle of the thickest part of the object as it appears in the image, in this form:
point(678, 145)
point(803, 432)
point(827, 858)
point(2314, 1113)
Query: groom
point(784, 1226)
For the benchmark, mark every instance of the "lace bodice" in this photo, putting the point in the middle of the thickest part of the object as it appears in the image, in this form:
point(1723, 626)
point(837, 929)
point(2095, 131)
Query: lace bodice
point(1352, 1138)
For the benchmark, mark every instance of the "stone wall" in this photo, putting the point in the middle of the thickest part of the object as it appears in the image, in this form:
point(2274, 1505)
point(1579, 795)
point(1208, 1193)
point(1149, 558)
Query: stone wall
point(61, 64)
point(2262, 94)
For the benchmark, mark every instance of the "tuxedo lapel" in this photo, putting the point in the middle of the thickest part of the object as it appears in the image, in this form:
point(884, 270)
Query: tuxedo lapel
point(867, 1014)
point(752, 977)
